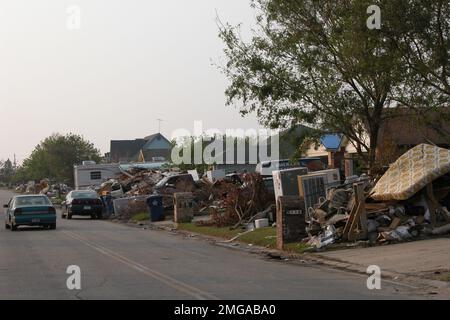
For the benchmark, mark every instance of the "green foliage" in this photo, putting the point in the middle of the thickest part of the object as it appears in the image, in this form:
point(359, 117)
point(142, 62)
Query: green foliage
point(143, 216)
point(200, 146)
point(6, 171)
point(224, 232)
point(55, 157)
point(315, 62)
point(421, 32)
point(445, 277)
point(264, 237)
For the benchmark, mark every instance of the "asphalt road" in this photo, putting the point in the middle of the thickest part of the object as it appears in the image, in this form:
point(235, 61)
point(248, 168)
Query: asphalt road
point(120, 262)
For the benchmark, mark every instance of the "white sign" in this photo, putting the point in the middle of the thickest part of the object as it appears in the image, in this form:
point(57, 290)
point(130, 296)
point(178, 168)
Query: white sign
point(74, 280)
point(374, 280)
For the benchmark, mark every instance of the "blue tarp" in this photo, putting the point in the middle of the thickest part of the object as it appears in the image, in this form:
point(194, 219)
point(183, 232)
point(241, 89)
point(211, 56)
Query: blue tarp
point(331, 141)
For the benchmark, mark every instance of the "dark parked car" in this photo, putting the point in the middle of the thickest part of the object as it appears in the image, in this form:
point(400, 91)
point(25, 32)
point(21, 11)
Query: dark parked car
point(82, 203)
point(30, 210)
point(182, 182)
point(173, 184)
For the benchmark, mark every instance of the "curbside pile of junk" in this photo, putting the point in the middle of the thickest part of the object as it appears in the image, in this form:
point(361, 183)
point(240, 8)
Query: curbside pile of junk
point(410, 201)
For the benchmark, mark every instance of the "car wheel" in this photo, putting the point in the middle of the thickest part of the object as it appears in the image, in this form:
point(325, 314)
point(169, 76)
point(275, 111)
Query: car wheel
point(93, 216)
point(99, 216)
point(52, 226)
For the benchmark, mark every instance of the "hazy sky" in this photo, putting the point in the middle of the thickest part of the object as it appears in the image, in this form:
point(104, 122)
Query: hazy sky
point(130, 63)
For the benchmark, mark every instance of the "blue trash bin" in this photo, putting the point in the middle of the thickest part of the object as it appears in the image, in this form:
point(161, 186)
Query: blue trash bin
point(108, 206)
point(155, 206)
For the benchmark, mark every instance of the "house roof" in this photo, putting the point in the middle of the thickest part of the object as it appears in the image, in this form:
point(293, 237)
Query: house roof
point(406, 127)
point(157, 136)
point(126, 148)
point(152, 136)
point(130, 149)
point(331, 142)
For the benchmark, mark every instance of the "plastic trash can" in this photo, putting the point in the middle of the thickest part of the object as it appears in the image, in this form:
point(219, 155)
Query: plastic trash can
point(155, 206)
point(108, 207)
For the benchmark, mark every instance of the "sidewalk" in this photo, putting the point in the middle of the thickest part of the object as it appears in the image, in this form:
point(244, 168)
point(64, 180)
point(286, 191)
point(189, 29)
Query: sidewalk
point(423, 262)
point(412, 258)
point(420, 265)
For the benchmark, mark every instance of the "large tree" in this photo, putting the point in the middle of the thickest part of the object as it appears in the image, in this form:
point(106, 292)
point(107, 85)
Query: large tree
point(420, 30)
point(55, 157)
point(316, 62)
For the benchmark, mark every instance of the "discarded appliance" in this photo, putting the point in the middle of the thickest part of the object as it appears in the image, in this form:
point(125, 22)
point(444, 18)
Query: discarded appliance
point(285, 181)
point(312, 187)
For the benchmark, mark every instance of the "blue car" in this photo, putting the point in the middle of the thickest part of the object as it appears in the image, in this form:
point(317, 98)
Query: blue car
point(30, 210)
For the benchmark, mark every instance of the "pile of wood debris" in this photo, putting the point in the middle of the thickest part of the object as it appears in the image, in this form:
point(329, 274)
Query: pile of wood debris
point(230, 201)
point(410, 201)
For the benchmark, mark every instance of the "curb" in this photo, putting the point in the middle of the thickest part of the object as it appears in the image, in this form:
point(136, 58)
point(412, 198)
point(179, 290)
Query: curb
point(426, 286)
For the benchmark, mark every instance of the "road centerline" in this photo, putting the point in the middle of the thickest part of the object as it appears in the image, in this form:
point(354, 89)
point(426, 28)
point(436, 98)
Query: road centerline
point(169, 281)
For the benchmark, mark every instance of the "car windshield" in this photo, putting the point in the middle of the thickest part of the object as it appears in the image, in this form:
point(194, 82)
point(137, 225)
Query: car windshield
point(33, 201)
point(84, 194)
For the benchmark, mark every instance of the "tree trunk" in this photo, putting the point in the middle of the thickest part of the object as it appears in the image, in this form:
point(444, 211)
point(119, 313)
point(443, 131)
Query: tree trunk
point(373, 152)
point(374, 125)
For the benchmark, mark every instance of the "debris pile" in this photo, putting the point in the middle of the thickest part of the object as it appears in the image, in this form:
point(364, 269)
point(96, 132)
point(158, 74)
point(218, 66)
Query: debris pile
point(126, 207)
point(231, 200)
point(141, 182)
point(133, 183)
point(234, 205)
point(410, 201)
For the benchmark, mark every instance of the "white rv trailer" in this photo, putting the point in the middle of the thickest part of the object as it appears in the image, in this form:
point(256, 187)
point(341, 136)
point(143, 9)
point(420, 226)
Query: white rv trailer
point(91, 175)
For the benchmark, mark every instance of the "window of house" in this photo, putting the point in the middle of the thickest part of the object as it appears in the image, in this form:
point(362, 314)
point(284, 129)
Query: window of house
point(96, 175)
